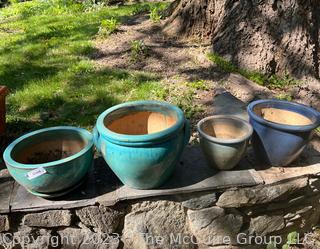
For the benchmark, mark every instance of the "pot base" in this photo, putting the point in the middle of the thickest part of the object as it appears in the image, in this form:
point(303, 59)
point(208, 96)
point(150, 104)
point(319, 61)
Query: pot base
point(59, 193)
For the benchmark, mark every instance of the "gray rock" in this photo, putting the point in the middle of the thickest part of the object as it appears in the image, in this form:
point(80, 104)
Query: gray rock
point(263, 225)
point(315, 183)
point(28, 238)
point(289, 216)
point(75, 238)
point(290, 224)
point(261, 194)
point(225, 103)
point(232, 247)
point(212, 226)
point(304, 210)
point(44, 240)
point(156, 225)
point(102, 218)
point(296, 217)
point(244, 89)
point(203, 201)
point(280, 205)
point(4, 223)
point(52, 218)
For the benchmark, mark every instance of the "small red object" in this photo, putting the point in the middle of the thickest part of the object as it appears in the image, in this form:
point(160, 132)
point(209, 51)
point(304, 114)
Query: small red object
point(3, 94)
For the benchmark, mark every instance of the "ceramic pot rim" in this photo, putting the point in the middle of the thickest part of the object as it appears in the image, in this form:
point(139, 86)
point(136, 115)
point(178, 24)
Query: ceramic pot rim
point(7, 153)
point(294, 128)
point(221, 140)
point(156, 136)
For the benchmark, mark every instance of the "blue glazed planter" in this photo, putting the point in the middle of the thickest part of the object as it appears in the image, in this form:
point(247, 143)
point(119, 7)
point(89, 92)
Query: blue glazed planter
point(60, 156)
point(224, 140)
point(142, 141)
point(279, 144)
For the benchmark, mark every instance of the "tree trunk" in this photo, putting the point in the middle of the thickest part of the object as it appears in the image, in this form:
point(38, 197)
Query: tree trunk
point(271, 36)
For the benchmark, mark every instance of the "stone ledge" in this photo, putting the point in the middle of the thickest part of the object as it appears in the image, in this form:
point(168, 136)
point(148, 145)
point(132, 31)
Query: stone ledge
point(191, 176)
point(102, 187)
point(196, 203)
point(154, 224)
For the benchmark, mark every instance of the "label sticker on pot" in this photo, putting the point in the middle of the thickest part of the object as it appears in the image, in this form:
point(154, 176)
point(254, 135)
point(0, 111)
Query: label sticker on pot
point(36, 173)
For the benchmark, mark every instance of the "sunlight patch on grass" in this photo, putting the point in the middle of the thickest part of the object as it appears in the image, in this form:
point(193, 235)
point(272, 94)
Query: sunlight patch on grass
point(46, 63)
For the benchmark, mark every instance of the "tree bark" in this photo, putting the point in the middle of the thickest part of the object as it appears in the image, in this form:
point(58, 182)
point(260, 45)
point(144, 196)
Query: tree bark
point(271, 36)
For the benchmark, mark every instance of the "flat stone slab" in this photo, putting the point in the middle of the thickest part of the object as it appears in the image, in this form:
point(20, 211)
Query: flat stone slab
point(6, 188)
point(192, 175)
point(227, 104)
point(102, 186)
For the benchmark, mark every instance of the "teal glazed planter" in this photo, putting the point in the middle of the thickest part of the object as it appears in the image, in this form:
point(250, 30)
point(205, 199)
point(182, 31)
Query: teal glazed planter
point(142, 141)
point(50, 162)
point(224, 140)
point(282, 129)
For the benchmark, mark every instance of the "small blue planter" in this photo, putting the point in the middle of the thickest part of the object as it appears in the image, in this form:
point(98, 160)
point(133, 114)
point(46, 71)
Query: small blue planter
point(279, 144)
point(140, 158)
point(50, 162)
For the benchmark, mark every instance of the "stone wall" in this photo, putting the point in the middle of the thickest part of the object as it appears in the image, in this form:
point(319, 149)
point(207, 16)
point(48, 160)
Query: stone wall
point(220, 220)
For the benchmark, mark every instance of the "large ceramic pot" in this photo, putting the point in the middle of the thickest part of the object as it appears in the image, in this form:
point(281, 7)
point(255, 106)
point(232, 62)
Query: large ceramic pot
point(50, 162)
point(282, 129)
point(224, 140)
point(142, 141)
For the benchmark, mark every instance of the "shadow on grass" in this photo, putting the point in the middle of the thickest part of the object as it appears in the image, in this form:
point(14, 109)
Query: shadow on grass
point(17, 75)
point(86, 95)
point(45, 65)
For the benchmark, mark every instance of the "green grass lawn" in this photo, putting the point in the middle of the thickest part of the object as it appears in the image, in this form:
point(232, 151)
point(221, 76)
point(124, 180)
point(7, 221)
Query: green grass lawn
point(45, 60)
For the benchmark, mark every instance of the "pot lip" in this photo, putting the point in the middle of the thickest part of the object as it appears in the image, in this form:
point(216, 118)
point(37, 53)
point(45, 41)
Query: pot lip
point(105, 132)
point(14, 164)
point(225, 141)
point(278, 126)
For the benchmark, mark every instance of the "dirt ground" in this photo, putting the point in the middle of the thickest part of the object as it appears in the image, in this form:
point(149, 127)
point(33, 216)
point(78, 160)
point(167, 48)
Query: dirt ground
point(176, 60)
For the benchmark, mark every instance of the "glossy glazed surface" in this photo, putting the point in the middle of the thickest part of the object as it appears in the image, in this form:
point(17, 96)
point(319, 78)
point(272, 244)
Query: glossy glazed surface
point(224, 140)
point(145, 160)
point(65, 153)
point(279, 144)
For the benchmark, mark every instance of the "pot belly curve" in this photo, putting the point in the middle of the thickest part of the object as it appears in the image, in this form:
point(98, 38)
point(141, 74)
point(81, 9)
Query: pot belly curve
point(57, 178)
point(276, 147)
point(143, 167)
point(142, 141)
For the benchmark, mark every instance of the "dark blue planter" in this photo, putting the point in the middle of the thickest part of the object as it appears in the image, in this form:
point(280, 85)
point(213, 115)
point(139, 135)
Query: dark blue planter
point(278, 144)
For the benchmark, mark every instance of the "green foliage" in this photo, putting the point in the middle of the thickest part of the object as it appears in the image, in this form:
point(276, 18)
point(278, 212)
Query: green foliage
point(222, 63)
point(144, 8)
point(285, 80)
point(158, 8)
point(155, 15)
point(183, 95)
point(230, 68)
point(199, 85)
point(284, 96)
point(45, 62)
point(292, 239)
point(108, 27)
point(273, 81)
point(187, 103)
point(139, 50)
point(92, 5)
